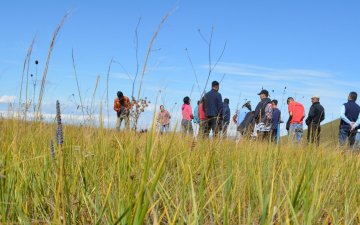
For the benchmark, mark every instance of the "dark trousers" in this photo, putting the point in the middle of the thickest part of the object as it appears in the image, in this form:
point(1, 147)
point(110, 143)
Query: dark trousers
point(346, 133)
point(313, 135)
point(273, 135)
point(212, 124)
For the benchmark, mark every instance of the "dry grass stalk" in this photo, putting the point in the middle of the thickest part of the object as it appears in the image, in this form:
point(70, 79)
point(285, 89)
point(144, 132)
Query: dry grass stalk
point(43, 80)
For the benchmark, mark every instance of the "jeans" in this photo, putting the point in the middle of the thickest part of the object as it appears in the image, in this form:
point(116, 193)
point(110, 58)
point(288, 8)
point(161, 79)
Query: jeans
point(346, 134)
point(296, 132)
point(357, 141)
point(164, 128)
point(186, 126)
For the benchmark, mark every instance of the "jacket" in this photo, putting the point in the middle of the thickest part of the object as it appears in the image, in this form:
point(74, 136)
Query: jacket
point(259, 113)
point(213, 103)
point(316, 114)
point(226, 112)
point(123, 103)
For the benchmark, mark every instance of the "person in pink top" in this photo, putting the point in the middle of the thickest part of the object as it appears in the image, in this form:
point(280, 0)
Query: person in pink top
point(202, 117)
point(187, 116)
point(163, 119)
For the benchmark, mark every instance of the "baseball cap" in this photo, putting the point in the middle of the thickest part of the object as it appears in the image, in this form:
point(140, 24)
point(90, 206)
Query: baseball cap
point(263, 91)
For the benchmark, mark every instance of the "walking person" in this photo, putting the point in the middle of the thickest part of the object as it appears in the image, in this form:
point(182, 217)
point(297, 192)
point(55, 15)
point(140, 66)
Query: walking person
point(196, 120)
point(297, 114)
point(213, 106)
point(315, 117)
point(122, 107)
point(349, 115)
point(275, 122)
point(263, 115)
point(163, 120)
point(225, 117)
point(187, 116)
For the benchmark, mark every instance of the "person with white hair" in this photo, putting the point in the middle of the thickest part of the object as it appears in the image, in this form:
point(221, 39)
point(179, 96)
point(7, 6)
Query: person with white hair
point(315, 117)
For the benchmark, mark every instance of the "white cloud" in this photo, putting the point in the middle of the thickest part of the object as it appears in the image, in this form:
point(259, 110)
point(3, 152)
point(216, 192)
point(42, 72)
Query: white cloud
point(7, 99)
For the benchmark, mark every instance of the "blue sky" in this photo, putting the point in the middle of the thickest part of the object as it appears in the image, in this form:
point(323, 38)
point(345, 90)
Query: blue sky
point(311, 47)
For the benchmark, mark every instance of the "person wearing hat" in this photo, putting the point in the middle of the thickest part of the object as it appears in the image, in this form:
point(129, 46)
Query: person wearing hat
point(122, 107)
point(262, 115)
point(315, 117)
point(260, 108)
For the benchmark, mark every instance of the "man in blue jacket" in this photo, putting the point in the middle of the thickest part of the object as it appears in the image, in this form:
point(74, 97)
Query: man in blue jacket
point(225, 117)
point(349, 115)
point(213, 106)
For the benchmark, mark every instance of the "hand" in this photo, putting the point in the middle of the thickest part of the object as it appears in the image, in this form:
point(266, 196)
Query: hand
point(352, 126)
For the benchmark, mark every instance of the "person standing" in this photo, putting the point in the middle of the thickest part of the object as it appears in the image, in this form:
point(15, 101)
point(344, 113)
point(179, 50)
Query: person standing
point(187, 116)
point(202, 118)
point(315, 117)
point(225, 117)
point(164, 119)
point(349, 115)
point(275, 121)
point(243, 118)
point(262, 115)
point(213, 106)
point(297, 114)
point(196, 120)
point(122, 107)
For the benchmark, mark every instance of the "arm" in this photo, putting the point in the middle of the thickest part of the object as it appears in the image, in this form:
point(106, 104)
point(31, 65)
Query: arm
point(219, 104)
point(342, 115)
point(257, 110)
point(322, 114)
point(310, 116)
point(357, 123)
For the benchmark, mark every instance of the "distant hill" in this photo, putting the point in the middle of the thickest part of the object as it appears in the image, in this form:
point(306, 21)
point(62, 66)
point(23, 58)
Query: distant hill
point(330, 132)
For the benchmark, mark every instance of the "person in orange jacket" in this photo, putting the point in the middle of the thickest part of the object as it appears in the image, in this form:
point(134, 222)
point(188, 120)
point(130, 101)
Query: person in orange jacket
point(122, 106)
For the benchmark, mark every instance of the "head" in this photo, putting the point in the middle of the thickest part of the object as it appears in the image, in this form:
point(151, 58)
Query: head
point(247, 105)
point(120, 94)
point(226, 101)
point(187, 100)
point(215, 85)
point(162, 108)
point(274, 103)
point(263, 94)
point(289, 100)
point(315, 99)
point(352, 96)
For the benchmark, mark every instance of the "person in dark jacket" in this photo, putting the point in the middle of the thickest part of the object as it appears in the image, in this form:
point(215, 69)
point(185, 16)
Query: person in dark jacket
point(275, 120)
point(225, 117)
point(263, 116)
point(315, 117)
point(213, 106)
point(260, 108)
point(349, 114)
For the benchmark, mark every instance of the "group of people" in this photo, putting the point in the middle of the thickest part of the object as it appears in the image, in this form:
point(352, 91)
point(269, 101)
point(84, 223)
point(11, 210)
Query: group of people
point(212, 114)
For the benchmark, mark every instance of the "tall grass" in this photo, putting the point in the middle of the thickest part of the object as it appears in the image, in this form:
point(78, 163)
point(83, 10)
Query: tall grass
point(131, 178)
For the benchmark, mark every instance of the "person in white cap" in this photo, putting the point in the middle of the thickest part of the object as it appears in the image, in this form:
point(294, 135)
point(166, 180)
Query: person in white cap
point(315, 117)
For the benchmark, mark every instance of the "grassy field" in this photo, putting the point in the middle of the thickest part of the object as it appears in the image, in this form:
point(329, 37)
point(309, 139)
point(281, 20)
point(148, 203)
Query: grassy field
point(105, 177)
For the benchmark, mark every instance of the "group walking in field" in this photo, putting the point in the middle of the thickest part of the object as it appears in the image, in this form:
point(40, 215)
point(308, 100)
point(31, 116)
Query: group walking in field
point(212, 115)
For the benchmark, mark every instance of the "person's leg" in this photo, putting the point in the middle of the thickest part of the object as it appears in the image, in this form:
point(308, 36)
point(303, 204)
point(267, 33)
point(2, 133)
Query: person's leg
point(292, 133)
point(127, 122)
point(118, 123)
point(343, 134)
point(309, 134)
point(299, 132)
point(352, 139)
